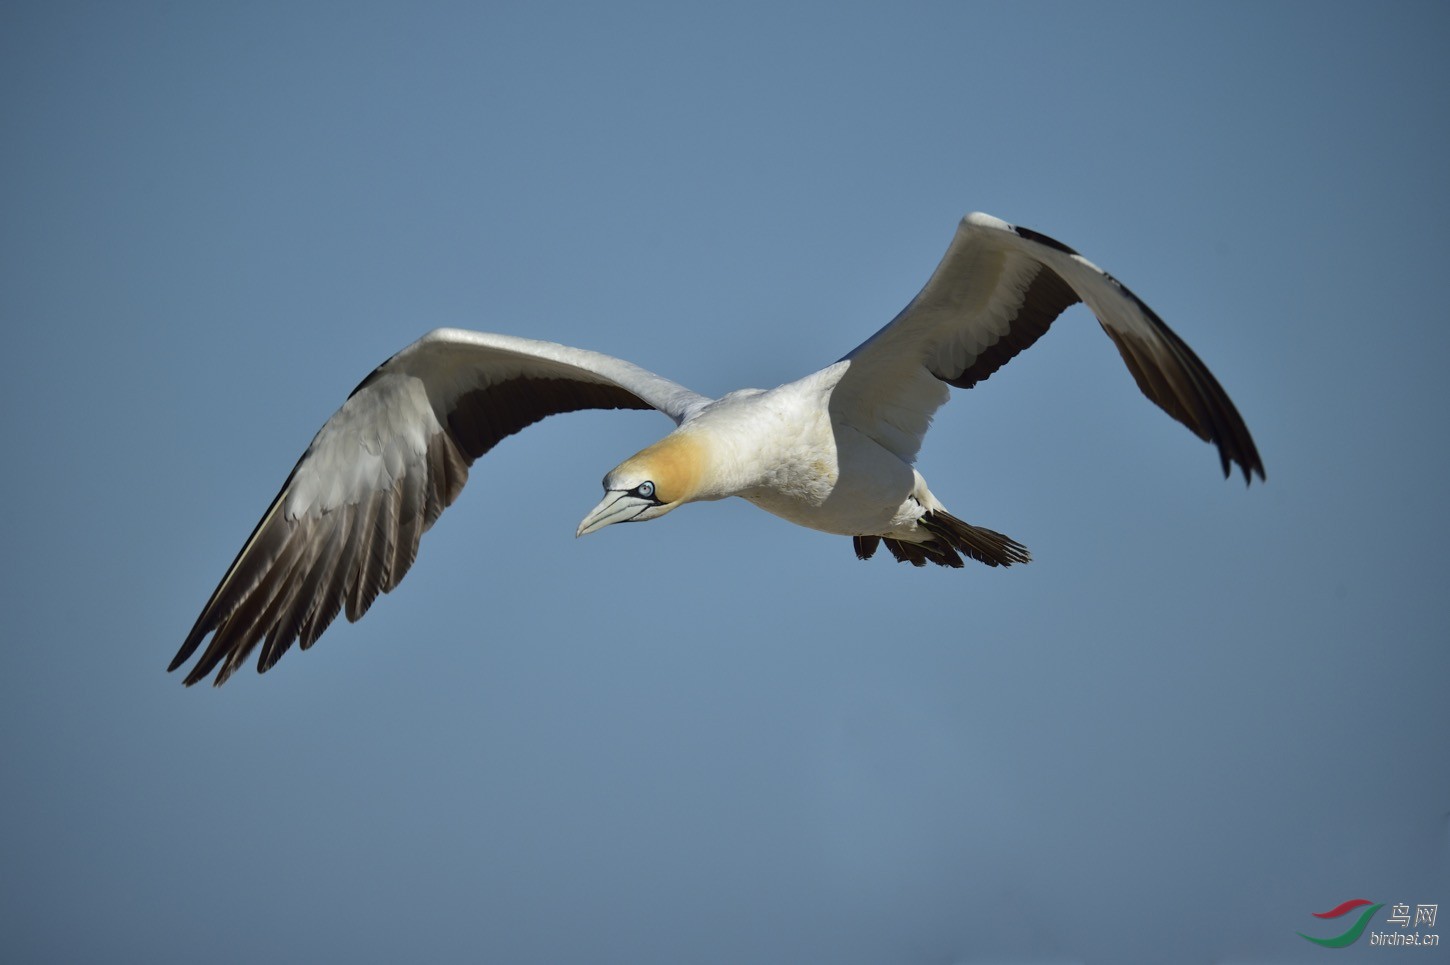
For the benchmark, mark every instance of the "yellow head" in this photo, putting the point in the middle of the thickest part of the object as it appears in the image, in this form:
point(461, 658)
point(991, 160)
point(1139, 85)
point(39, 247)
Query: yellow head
point(649, 483)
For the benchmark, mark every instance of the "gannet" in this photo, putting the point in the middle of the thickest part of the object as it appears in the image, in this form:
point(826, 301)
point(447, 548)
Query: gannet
point(833, 451)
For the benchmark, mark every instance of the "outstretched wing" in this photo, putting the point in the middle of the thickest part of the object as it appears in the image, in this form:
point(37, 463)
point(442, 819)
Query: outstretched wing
point(347, 522)
point(995, 292)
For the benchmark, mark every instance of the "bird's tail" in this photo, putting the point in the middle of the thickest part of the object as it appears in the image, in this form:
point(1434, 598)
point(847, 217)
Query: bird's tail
point(949, 535)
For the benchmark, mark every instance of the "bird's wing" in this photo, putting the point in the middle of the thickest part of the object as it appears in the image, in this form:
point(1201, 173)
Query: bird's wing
point(347, 522)
point(997, 289)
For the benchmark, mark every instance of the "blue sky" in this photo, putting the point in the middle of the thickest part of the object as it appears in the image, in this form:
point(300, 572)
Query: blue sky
point(1201, 714)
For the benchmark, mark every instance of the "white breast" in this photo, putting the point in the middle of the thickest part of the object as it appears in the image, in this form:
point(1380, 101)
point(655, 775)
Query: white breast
point(785, 451)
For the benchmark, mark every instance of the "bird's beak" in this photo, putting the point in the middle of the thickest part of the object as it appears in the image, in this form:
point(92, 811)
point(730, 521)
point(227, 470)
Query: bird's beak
point(618, 506)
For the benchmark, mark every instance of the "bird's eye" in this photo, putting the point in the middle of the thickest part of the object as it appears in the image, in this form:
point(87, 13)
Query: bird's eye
point(645, 489)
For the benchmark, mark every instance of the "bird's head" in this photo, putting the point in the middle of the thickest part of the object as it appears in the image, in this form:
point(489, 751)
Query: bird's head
point(649, 484)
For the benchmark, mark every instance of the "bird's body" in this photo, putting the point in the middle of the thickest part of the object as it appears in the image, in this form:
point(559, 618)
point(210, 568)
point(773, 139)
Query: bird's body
point(833, 451)
point(784, 451)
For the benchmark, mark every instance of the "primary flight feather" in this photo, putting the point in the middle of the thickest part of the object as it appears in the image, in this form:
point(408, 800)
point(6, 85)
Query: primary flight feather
point(833, 451)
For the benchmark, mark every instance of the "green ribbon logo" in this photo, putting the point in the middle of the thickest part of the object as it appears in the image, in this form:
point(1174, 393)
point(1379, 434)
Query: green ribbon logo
point(1352, 935)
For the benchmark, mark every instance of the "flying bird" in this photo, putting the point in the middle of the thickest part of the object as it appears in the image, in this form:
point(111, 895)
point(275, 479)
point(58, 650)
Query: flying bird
point(833, 451)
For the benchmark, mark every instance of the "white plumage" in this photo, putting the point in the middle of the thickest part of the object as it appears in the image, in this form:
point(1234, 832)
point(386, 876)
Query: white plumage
point(833, 451)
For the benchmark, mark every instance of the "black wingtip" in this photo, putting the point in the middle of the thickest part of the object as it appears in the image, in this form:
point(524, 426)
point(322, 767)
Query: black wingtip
point(1247, 459)
point(188, 647)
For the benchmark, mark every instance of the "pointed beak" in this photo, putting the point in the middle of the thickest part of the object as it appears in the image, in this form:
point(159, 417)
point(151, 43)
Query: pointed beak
point(617, 507)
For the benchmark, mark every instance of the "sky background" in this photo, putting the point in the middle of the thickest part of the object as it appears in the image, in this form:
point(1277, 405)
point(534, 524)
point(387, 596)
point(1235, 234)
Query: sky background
point(1201, 714)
